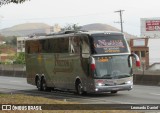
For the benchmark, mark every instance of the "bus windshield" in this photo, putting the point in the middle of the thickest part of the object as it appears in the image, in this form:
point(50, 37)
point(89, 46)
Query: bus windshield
point(112, 67)
point(108, 44)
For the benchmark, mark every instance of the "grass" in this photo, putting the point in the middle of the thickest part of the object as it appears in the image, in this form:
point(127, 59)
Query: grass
point(25, 99)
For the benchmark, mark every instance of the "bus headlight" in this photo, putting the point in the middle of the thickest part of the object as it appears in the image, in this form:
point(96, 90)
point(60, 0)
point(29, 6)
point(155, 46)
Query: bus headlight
point(100, 84)
point(96, 89)
point(129, 82)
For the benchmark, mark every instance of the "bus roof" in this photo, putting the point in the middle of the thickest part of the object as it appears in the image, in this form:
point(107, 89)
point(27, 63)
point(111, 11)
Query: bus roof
point(59, 35)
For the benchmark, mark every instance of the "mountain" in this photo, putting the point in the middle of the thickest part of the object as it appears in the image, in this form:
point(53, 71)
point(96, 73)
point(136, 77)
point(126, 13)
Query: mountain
point(41, 28)
point(25, 29)
point(99, 27)
point(104, 27)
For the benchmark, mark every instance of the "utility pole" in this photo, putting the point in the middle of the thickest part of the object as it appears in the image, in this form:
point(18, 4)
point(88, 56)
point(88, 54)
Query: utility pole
point(120, 12)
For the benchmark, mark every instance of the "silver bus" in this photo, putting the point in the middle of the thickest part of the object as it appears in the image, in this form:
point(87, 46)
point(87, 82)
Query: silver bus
point(84, 62)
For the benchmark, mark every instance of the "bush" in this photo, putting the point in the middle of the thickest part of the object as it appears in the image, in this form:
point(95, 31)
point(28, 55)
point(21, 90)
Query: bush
point(20, 58)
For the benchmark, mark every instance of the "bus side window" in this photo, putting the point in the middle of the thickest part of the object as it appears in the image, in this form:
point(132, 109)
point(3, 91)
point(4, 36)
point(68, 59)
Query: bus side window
point(85, 47)
point(35, 47)
point(74, 45)
point(85, 54)
point(27, 48)
point(50, 46)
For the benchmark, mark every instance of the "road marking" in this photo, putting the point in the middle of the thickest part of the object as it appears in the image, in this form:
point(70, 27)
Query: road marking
point(155, 94)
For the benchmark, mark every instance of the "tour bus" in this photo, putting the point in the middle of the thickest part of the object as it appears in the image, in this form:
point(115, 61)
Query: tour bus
point(84, 62)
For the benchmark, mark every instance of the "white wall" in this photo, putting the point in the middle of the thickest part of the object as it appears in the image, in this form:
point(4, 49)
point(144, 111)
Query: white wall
point(154, 51)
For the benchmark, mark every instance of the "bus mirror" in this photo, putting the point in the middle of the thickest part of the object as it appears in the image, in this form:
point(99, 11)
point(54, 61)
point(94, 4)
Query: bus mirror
point(92, 64)
point(138, 63)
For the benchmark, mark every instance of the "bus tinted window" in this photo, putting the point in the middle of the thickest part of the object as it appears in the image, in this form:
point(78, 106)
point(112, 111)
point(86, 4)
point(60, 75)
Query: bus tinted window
point(54, 45)
point(58, 45)
point(33, 47)
point(85, 47)
point(74, 45)
point(109, 44)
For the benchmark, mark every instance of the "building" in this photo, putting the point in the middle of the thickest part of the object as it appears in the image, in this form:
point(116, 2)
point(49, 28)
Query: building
point(140, 47)
point(21, 44)
point(154, 50)
point(54, 29)
point(6, 57)
point(150, 28)
point(148, 50)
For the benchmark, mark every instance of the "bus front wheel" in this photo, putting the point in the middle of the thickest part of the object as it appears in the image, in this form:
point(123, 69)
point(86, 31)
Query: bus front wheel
point(44, 86)
point(79, 88)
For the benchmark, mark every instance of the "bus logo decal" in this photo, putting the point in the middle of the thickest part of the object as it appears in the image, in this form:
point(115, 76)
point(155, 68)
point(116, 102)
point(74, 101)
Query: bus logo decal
point(62, 65)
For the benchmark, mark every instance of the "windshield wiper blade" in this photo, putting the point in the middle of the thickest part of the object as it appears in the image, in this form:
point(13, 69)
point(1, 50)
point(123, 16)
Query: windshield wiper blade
point(123, 75)
point(108, 76)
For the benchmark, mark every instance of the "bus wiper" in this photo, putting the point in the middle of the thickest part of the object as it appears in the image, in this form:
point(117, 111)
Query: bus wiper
point(107, 76)
point(123, 75)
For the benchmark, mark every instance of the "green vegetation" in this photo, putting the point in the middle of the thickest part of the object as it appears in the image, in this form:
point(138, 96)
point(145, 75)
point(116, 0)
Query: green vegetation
point(74, 27)
point(8, 50)
point(19, 58)
point(11, 40)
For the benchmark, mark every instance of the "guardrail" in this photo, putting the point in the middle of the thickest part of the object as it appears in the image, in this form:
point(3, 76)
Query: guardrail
point(146, 79)
point(15, 70)
point(139, 77)
point(13, 73)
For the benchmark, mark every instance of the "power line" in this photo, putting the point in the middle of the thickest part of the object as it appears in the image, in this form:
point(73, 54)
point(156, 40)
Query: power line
point(120, 12)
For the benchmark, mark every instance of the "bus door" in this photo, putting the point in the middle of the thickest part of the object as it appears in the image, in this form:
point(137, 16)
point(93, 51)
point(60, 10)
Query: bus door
point(85, 54)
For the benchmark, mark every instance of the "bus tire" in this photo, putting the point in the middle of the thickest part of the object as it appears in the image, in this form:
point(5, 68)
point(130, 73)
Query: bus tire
point(44, 86)
point(79, 88)
point(39, 84)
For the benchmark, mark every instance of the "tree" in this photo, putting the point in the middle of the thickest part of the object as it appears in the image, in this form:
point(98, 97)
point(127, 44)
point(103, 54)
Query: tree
point(11, 40)
point(20, 58)
point(3, 2)
point(74, 27)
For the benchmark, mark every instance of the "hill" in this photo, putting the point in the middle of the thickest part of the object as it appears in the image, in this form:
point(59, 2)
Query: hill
point(25, 29)
point(100, 27)
point(104, 27)
point(34, 28)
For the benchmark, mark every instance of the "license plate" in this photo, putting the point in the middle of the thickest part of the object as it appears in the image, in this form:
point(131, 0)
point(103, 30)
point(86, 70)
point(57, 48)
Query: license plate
point(111, 82)
point(115, 89)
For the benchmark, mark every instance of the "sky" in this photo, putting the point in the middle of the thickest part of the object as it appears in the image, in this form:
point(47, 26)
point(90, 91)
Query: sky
point(80, 12)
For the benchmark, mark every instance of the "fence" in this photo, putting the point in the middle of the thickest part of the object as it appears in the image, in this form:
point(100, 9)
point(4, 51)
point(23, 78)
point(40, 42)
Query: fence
point(145, 77)
point(13, 70)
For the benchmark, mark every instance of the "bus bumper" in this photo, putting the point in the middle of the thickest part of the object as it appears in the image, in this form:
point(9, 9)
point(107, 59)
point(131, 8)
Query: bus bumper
point(113, 88)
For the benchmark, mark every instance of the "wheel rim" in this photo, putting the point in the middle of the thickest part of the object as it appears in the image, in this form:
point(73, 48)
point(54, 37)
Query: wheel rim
point(80, 88)
point(44, 86)
point(38, 84)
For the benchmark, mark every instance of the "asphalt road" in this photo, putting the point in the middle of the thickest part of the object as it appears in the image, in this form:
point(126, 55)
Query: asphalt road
point(139, 95)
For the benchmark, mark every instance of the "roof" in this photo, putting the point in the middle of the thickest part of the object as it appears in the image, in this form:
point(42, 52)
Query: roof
point(73, 33)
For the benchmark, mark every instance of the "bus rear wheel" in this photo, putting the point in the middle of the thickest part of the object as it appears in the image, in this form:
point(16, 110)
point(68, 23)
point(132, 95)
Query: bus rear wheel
point(39, 86)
